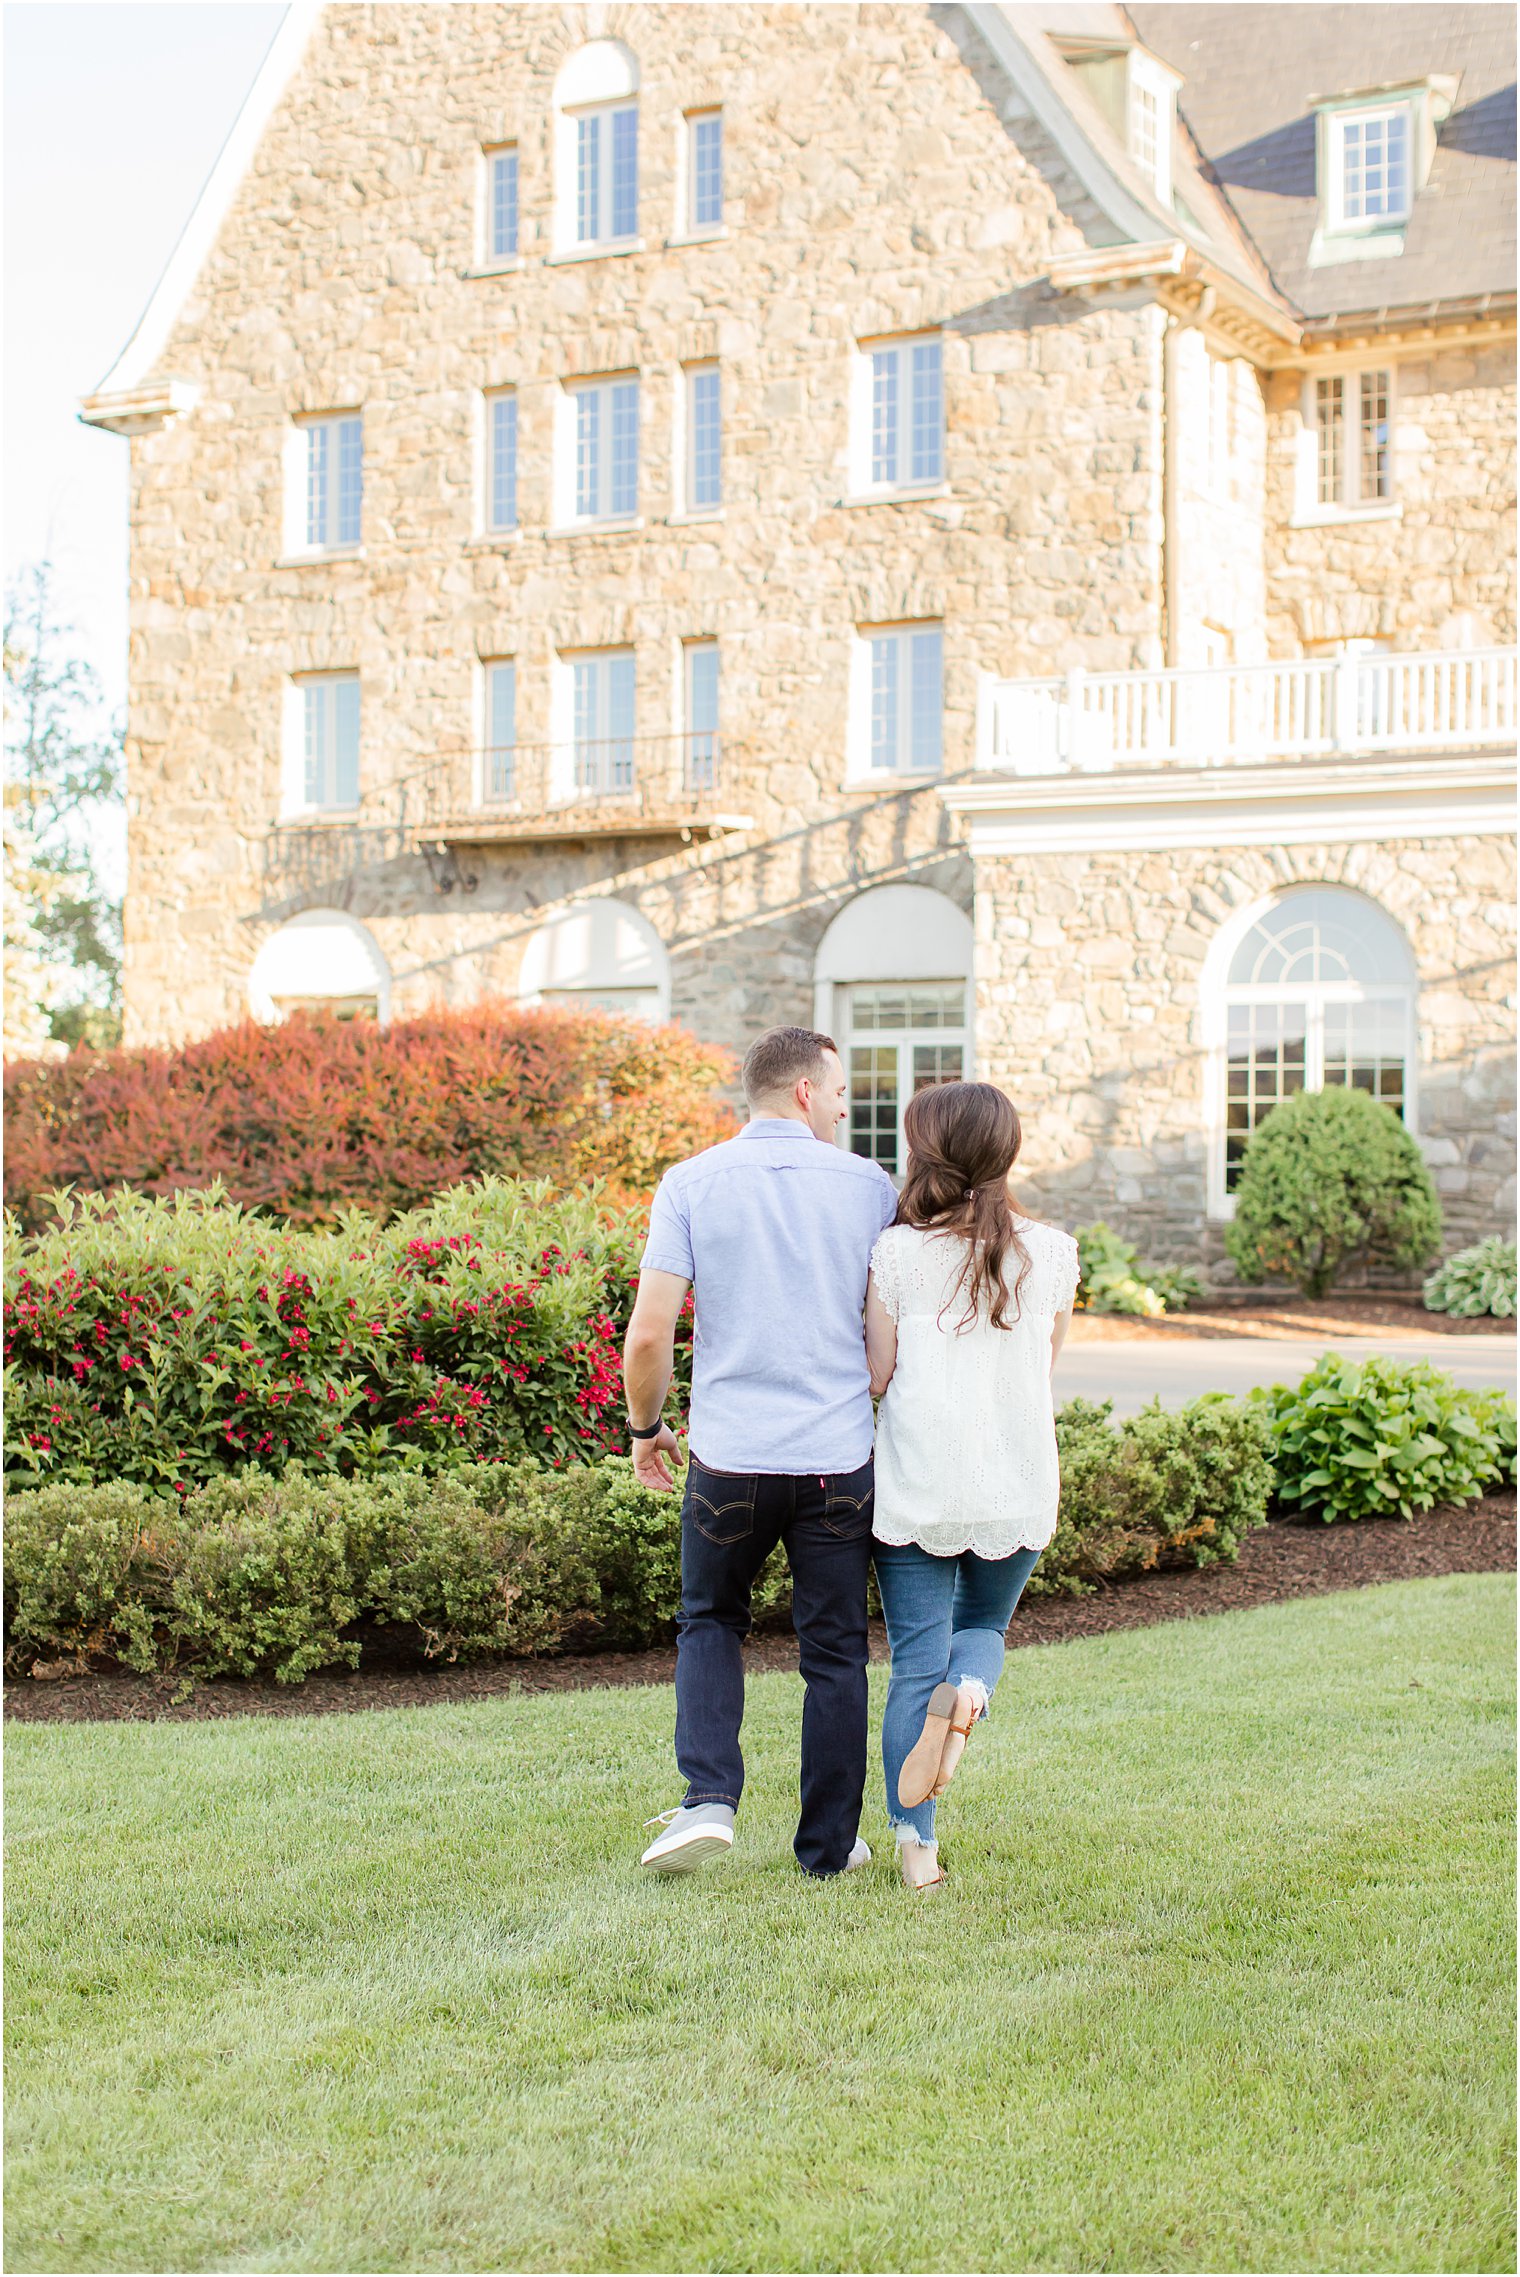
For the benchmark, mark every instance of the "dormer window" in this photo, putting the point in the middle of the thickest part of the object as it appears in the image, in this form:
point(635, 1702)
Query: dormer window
point(1152, 119)
point(1375, 151)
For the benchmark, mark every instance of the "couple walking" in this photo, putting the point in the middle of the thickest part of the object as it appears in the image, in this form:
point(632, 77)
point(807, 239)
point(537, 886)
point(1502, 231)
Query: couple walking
point(816, 1288)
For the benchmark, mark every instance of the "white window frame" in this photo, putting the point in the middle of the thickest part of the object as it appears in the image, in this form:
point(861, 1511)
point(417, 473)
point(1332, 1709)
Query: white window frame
point(701, 746)
point(903, 1040)
point(1150, 83)
point(568, 783)
point(861, 768)
point(488, 525)
point(296, 800)
point(865, 484)
point(690, 503)
point(567, 441)
point(691, 227)
point(1337, 221)
point(497, 785)
point(603, 237)
point(1350, 503)
point(490, 256)
point(1219, 995)
point(299, 545)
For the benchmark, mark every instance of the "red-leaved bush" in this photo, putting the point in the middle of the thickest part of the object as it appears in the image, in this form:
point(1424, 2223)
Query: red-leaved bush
point(170, 1343)
point(319, 1113)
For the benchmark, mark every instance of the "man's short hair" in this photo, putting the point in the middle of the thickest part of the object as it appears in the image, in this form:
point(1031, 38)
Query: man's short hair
point(777, 1061)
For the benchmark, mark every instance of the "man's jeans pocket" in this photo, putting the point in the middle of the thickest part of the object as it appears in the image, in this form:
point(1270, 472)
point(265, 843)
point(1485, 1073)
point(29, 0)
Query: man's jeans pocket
point(848, 1500)
point(720, 1504)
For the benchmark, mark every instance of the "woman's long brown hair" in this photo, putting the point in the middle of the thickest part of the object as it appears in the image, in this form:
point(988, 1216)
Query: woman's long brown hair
point(963, 1139)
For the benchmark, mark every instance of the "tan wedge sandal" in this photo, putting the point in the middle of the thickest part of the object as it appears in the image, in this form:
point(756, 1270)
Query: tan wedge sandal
point(915, 1781)
point(950, 1753)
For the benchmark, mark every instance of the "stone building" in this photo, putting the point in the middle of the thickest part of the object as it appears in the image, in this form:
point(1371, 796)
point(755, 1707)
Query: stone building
point(988, 528)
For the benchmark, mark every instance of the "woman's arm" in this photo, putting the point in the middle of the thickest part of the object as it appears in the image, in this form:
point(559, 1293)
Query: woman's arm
point(1058, 1334)
point(881, 1340)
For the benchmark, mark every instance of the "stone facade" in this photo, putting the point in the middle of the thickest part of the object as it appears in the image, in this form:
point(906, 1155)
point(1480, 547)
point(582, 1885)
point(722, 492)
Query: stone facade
point(1120, 491)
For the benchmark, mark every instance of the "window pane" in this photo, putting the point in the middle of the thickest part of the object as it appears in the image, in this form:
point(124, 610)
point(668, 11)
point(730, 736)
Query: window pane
point(936, 1063)
point(707, 171)
point(1265, 1063)
point(1321, 934)
point(702, 718)
point(503, 462)
point(314, 702)
point(586, 747)
point(873, 1103)
point(926, 459)
point(588, 426)
point(1328, 407)
point(927, 728)
point(503, 234)
point(625, 447)
point(625, 172)
point(886, 651)
point(706, 483)
point(588, 178)
point(1364, 1050)
point(620, 716)
point(886, 366)
point(345, 742)
point(1375, 468)
point(316, 484)
point(501, 756)
point(923, 1004)
point(350, 480)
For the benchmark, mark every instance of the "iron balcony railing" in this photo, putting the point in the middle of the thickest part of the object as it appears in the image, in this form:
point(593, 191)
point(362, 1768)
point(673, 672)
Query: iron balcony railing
point(1461, 700)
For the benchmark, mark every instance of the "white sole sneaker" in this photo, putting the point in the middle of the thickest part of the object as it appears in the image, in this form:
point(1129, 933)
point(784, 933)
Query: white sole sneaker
point(681, 1848)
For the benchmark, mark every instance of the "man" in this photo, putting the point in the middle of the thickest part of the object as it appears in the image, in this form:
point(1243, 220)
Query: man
point(773, 1231)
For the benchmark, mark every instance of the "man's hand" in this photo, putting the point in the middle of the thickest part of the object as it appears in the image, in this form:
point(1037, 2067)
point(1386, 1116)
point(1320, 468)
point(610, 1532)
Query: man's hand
point(650, 1465)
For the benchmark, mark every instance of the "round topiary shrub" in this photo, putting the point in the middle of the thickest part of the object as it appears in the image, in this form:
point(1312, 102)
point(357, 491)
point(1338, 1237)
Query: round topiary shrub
point(1331, 1178)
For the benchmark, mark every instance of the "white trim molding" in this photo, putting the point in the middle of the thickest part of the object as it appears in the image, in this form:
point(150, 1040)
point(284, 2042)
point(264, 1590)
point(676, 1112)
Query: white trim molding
point(1303, 803)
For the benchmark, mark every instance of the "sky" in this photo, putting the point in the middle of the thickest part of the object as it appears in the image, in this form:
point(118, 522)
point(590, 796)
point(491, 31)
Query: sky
point(114, 114)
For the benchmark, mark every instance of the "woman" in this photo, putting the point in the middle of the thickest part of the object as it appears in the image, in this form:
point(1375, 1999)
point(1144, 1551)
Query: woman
point(966, 1308)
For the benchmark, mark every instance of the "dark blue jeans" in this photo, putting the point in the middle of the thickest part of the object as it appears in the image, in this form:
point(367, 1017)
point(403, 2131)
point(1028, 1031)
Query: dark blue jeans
point(730, 1523)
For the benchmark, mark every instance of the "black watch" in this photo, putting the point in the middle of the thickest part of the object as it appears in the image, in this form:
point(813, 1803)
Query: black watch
point(652, 1433)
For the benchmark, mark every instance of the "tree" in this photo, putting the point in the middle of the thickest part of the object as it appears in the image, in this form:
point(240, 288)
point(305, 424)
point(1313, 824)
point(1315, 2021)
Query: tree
point(64, 793)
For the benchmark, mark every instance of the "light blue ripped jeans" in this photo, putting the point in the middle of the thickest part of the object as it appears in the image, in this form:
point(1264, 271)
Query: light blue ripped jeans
point(946, 1619)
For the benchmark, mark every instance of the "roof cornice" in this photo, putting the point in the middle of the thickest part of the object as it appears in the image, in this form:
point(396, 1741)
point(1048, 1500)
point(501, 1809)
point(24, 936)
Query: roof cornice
point(123, 399)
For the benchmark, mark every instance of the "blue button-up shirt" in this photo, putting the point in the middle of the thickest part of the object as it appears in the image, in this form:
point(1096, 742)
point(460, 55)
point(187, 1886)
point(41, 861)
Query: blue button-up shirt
point(774, 1230)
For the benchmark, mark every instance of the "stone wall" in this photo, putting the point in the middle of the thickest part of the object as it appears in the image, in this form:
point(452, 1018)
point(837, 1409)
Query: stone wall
point(1439, 570)
point(879, 179)
point(1089, 1015)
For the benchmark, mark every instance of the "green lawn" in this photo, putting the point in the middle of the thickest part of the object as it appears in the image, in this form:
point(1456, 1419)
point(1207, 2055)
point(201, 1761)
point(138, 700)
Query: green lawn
point(1223, 1982)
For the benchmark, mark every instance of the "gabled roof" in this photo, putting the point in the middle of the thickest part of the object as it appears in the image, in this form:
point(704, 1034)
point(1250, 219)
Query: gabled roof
point(1252, 72)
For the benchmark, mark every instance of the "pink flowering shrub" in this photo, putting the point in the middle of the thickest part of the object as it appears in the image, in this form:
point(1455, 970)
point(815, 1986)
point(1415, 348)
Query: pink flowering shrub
point(170, 1342)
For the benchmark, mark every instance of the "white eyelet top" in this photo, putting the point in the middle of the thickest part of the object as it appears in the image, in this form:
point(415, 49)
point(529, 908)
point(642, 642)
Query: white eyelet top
point(965, 1436)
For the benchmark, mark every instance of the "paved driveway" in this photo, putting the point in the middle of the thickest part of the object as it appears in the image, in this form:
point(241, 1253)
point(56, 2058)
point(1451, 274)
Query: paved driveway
point(1131, 1374)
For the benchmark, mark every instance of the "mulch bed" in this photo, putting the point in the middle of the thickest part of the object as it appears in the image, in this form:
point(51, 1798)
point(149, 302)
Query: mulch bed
point(1295, 1317)
point(1285, 1559)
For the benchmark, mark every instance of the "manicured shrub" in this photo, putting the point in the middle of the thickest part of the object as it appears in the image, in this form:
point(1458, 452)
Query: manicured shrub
point(317, 1114)
point(256, 1573)
point(1169, 1485)
point(169, 1343)
point(1112, 1279)
point(1331, 1179)
point(1475, 1282)
point(1381, 1438)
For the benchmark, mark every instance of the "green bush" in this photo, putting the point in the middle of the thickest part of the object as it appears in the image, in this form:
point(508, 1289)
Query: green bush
point(286, 1574)
point(1381, 1438)
point(1112, 1278)
point(1331, 1179)
point(1475, 1282)
point(172, 1343)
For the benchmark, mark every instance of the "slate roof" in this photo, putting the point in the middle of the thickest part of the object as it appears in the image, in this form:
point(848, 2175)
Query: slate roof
point(1250, 72)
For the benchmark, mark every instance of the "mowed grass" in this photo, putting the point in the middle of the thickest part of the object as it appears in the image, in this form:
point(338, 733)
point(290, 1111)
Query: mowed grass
point(1223, 1982)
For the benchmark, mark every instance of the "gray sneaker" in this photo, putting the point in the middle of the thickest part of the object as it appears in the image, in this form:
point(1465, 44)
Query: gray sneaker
point(693, 1831)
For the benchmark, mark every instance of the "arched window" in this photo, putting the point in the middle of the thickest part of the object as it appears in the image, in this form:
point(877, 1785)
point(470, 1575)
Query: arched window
point(601, 956)
point(1317, 988)
point(596, 149)
point(322, 961)
point(893, 985)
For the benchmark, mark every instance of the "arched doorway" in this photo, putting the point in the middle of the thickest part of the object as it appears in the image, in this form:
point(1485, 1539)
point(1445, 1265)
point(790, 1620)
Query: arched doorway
point(893, 985)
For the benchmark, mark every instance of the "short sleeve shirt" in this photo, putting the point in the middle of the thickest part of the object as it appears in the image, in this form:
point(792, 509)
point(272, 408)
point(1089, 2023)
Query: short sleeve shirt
point(774, 1230)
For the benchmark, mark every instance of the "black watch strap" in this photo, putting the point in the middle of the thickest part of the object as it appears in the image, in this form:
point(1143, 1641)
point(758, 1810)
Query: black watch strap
point(653, 1431)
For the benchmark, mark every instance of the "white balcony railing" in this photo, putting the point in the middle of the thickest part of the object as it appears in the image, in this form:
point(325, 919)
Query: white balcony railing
point(1464, 700)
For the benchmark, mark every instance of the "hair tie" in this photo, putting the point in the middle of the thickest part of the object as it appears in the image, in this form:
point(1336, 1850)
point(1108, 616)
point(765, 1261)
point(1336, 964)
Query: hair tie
point(969, 1195)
